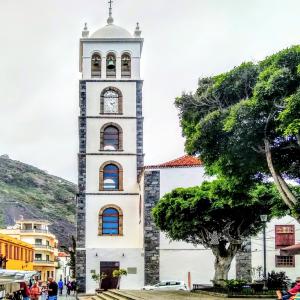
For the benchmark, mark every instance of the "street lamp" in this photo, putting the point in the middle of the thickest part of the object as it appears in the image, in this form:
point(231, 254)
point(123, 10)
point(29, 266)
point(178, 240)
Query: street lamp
point(264, 219)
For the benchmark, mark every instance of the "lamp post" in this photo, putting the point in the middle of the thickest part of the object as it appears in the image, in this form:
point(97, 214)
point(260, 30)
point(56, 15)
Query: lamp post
point(264, 219)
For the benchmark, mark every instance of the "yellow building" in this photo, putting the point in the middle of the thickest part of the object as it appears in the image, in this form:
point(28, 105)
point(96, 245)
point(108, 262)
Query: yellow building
point(15, 254)
point(36, 233)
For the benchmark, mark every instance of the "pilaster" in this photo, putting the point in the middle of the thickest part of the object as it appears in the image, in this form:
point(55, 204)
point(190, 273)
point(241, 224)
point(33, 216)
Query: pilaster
point(151, 232)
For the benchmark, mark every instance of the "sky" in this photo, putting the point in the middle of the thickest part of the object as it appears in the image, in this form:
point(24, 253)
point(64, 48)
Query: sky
point(184, 40)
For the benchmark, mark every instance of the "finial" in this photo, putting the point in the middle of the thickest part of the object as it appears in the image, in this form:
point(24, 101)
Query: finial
point(137, 32)
point(110, 19)
point(85, 32)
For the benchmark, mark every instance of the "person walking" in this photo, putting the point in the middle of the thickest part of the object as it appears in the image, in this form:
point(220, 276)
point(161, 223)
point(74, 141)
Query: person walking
point(35, 292)
point(52, 289)
point(60, 286)
point(25, 291)
point(69, 288)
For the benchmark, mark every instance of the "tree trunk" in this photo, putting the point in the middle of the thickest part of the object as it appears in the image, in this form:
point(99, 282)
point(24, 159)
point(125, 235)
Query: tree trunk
point(223, 260)
point(283, 189)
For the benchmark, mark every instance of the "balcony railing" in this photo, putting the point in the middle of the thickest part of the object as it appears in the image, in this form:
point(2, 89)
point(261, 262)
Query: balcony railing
point(40, 261)
point(41, 246)
point(35, 230)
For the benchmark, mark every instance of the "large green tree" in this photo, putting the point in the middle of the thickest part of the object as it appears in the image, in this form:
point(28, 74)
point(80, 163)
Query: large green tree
point(219, 215)
point(245, 123)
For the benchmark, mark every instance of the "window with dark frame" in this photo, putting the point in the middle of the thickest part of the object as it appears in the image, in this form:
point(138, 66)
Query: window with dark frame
point(284, 236)
point(111, 177)
point(284, 261)
point(111, 138)
point(110, 222)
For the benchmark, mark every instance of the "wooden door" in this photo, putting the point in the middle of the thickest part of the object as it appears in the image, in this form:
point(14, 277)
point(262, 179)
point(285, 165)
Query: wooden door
point(108, 267)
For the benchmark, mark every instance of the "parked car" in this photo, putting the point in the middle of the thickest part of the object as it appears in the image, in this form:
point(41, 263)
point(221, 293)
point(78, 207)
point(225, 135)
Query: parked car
point(167, 285)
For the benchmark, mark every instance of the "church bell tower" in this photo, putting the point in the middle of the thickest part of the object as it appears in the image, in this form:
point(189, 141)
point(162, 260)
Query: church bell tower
point(110, 159)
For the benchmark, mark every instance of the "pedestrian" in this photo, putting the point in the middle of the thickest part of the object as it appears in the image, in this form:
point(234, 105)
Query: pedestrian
point(74, 286)
point(44, 291)
point(52, 289)
point(35, 292)
point(282, 295)
point(25, 291)
point(69, 288)
point(60, 286)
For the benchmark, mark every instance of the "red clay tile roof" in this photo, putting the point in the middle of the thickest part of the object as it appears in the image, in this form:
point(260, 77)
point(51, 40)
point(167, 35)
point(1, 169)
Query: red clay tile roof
point(63, 254)
point(186, 161)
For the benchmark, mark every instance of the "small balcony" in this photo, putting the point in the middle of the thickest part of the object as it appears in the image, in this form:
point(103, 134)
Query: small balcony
point(41, 262)
point(44, 247)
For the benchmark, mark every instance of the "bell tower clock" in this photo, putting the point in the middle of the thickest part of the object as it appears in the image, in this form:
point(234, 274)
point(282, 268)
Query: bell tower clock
point(110, 159)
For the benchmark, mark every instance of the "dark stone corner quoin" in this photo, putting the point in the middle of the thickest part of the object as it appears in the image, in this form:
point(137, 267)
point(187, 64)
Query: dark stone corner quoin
point(151, 232)
point(81, 200)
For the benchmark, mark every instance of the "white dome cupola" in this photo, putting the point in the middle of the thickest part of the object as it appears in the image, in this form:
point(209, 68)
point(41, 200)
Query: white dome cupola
point(110, 52)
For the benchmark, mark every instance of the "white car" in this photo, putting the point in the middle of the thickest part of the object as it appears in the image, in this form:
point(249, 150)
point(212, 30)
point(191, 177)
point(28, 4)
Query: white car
point(167, 285)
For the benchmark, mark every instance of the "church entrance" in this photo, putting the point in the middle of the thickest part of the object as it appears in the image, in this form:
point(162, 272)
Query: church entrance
point(108, 267)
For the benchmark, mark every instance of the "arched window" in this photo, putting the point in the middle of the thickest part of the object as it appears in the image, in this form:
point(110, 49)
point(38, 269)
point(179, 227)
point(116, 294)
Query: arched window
point(126, 65)
point(111, 137)
point(111, 65)
point(111, 177)
point(111, 101)
point(111, 220)
point(96, 65)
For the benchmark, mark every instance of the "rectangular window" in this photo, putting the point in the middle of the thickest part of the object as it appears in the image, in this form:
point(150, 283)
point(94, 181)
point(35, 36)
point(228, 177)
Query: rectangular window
point(26, 255)
point(284, 261)
point(38, 241)
point(284, 236)
point(38, 256)
point(21, 257)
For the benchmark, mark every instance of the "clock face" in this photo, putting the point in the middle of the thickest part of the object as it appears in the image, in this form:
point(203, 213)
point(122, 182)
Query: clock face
point(111, 102)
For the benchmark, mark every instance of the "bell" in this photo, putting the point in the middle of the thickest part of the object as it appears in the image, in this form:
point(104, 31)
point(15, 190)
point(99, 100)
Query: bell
point(111, 64)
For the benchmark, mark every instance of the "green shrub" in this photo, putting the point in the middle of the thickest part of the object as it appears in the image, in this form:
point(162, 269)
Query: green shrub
point(278, 280)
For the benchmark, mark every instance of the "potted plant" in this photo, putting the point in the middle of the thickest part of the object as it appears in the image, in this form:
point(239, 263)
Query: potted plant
point(119, 274)
point(99, 278)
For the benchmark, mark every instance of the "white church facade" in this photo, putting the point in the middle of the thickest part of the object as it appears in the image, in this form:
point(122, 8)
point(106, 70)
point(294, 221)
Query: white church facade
point(116, 192)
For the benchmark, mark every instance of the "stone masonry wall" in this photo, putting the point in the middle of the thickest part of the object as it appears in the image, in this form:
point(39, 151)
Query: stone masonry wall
point(139, 127)
point(81, 213)
point(244, 262)
point(151, 232)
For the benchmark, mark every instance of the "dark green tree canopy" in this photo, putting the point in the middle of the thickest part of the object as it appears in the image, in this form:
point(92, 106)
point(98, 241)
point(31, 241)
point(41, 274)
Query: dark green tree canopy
point(246, 123)
point(219, 215)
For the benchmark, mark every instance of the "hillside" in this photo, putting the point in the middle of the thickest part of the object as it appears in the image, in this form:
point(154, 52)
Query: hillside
point(32, 193)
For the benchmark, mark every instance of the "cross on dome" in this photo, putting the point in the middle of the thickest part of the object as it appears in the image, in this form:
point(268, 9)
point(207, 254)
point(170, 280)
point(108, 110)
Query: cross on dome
point(110, 19)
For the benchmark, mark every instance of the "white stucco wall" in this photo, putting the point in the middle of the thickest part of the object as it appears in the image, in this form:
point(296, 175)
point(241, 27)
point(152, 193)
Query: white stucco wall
point(129, 134)
point(257, 247)
point(128, 258)
point(179, 258)
point(93, 92)
point(103, 49)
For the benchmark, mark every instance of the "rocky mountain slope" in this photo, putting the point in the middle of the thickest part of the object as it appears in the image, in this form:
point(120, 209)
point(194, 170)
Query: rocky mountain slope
point(32, 193)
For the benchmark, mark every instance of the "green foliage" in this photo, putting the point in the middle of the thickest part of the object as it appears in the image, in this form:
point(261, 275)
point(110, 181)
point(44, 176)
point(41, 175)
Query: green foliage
point(119, 273)
point(231, 115)
point(98, 277)
point(28, 191)
point(278, 281)
point(226, 207)
point(235, 284)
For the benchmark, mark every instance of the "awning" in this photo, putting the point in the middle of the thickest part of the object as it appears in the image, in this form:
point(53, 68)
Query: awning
point(290, 250)
point(15, 276)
